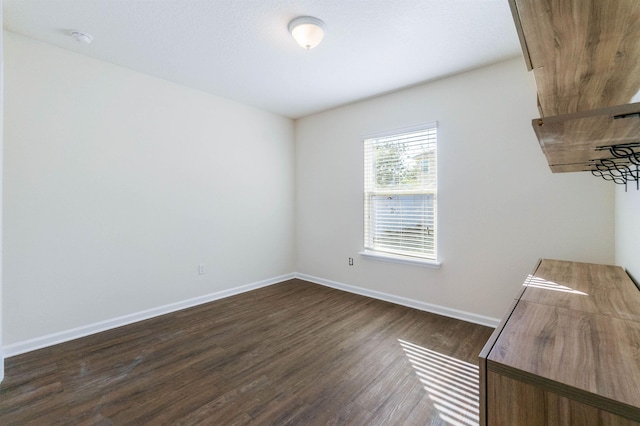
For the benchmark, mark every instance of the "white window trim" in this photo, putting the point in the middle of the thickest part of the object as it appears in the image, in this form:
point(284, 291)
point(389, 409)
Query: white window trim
point(407, 129)
point(388, 257)
point(407, 260)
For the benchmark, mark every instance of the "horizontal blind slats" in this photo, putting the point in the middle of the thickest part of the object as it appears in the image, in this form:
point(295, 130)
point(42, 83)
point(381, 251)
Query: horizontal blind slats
point(400, 193)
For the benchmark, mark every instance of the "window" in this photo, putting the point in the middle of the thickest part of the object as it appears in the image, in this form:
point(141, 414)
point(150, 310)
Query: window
point(400, 184)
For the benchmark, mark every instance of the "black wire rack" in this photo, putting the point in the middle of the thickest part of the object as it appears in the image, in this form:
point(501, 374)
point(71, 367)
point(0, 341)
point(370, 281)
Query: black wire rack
point(622, 167)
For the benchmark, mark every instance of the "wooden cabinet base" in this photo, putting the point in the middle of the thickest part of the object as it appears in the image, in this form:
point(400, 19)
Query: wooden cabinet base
point(513, 402)
point(567, 352)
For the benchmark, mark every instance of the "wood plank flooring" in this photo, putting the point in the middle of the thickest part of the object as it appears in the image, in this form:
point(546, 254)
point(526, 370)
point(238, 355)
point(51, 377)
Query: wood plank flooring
point(291, 353)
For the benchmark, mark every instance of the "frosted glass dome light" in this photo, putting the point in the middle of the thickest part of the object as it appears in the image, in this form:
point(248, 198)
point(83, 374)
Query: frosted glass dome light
point(307, 31)
point(81, 37)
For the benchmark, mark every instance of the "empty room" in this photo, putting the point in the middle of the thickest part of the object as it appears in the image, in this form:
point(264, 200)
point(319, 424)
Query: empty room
point(315, 212)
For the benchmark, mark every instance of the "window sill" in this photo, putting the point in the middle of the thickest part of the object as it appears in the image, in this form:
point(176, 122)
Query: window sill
point(400, 259)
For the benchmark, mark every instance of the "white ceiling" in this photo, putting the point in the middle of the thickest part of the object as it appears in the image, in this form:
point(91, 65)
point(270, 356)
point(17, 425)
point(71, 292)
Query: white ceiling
point(241, 49)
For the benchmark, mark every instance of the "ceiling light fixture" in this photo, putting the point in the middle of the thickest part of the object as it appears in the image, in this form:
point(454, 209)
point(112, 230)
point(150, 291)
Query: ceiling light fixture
point(82, 38)
point(307, 31)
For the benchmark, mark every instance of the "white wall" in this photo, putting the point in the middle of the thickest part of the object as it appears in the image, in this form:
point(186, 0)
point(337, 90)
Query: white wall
point(500, 208)
point(628, 230)
point(117, 185)
point(1, 177)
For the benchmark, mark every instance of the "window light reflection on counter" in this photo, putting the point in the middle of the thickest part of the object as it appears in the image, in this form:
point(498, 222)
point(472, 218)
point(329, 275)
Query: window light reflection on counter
point(541, 283)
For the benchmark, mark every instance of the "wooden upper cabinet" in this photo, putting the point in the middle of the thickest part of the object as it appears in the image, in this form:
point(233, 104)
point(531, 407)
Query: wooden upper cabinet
point(577, 141)
point(585, 56)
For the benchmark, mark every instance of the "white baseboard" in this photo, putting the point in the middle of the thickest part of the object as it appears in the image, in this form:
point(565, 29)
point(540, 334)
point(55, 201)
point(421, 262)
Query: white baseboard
point(398, 300)
point(86, 330)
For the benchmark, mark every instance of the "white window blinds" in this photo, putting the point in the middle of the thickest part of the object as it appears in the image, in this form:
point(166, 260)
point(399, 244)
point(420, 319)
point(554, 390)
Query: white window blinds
point(401, 193)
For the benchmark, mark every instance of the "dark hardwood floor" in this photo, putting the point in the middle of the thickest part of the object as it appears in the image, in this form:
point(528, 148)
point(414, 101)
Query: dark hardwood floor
point(291, 353)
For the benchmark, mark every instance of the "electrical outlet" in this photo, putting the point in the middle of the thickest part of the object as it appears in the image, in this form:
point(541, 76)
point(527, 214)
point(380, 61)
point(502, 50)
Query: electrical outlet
point(351, 261)
point(202, 269)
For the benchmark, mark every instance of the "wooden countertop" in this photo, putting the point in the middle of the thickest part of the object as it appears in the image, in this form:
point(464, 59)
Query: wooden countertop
point(584, 287)
point(576, 331)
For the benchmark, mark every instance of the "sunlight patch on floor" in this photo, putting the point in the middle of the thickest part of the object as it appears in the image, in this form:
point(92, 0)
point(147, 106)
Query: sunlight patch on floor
point(450, 383)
